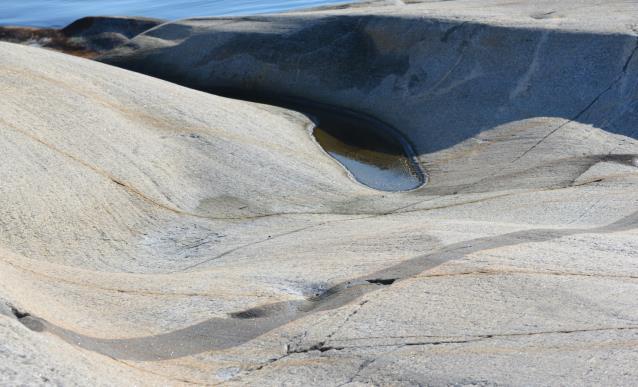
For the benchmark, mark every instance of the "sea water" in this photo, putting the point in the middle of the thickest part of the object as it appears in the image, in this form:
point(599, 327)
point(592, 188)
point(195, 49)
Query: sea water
point(58, 13)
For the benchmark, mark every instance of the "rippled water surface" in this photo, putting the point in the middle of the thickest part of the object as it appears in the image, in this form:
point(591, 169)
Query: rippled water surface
point(58, 13)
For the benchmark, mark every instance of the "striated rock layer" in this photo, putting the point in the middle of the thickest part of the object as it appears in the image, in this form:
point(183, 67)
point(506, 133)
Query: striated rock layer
point(155, 234)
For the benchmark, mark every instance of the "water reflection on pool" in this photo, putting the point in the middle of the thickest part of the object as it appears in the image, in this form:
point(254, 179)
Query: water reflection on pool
point(376, 157)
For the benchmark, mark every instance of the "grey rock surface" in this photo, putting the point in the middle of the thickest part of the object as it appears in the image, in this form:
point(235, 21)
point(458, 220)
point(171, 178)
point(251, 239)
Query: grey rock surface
point(155, 234)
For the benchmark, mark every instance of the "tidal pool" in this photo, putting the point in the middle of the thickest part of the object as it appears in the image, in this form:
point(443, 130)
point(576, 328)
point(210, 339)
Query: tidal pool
point(375, 154)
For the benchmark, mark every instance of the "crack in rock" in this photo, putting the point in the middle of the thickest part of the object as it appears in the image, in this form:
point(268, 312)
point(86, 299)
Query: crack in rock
point(589, 106)
point(221, 333)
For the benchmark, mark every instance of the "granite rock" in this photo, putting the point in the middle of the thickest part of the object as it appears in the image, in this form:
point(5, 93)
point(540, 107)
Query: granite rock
point(156, 234)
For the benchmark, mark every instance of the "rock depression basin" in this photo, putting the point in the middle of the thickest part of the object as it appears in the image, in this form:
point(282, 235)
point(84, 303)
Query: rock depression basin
point(153, 233)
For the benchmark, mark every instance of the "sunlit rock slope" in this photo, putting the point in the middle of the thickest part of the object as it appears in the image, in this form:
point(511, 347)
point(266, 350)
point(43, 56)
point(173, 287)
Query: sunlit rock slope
point(156, 234)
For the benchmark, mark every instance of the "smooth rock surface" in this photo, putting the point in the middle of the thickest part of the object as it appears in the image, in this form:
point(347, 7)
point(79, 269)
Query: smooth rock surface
point(154, 234)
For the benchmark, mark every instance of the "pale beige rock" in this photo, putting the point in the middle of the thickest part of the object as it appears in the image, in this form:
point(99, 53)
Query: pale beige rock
point(160, 235)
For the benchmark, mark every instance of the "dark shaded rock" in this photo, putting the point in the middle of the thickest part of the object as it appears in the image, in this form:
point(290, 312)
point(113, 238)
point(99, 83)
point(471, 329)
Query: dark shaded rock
point(106, 41)
point(97, 25)
point(86, 37)
point(48, 38)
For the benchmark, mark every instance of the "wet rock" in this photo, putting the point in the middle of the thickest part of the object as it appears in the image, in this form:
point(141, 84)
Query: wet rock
point(45, 37)
point(86, 37)
point(105, 41)
point(97, 25)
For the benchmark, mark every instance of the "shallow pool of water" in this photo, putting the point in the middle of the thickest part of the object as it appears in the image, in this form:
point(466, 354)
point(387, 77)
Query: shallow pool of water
point(375, 154)
point(58, 13)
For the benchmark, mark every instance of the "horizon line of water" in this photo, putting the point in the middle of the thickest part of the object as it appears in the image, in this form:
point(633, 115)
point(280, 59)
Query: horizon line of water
point(59, 13)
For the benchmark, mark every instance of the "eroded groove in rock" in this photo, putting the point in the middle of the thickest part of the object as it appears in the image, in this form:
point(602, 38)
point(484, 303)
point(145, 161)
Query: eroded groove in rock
point(223, 333)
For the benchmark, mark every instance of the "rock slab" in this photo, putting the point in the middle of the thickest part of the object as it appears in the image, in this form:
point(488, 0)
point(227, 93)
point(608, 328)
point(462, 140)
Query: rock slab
point(159, 235)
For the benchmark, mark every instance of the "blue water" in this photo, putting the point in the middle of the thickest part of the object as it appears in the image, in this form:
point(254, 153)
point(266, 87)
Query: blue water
point(58, 13)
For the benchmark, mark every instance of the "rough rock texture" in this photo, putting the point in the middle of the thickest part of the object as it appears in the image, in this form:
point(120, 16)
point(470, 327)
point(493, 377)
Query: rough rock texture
point(86, 37)
point(96, 25)
point(155, 234)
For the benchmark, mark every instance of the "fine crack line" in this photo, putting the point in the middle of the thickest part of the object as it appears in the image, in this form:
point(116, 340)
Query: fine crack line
point(396, 211)
point(289, 352)
point(120, 183)
point(365, 364)
point(404, 270)
point(592, 103)
point(576, 117)
point(347, 319)
point(528, 272)
point(149, 293)
point(586, 212)
point(117, 181)
point(227, 252)
point(470, 338)
point(319, 346)
point(146, 371)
